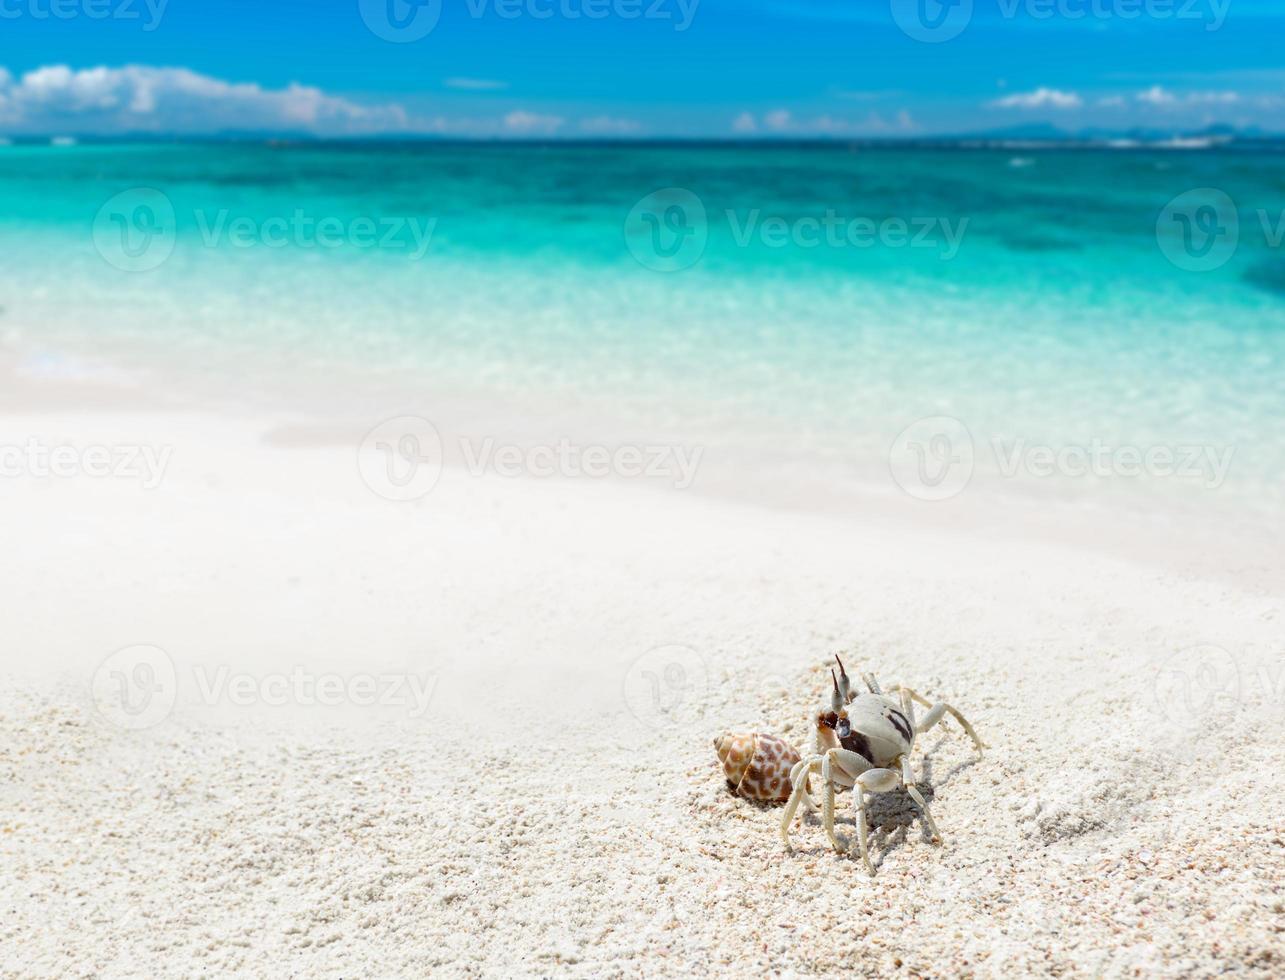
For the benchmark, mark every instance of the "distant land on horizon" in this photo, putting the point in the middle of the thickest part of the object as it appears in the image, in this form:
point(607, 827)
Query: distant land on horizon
point(1030, 133)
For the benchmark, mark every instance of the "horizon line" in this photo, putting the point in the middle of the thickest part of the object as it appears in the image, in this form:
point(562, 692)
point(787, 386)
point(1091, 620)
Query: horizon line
point(1189, 142)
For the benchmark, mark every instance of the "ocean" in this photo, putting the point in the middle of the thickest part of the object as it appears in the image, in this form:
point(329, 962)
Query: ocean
point(814, 299)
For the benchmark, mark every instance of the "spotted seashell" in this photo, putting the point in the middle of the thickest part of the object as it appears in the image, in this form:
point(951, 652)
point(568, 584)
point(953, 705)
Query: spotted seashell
point(757, 766)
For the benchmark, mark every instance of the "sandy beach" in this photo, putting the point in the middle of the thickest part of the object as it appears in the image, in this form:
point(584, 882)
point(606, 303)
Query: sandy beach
point(433, 435)
point(470, 734)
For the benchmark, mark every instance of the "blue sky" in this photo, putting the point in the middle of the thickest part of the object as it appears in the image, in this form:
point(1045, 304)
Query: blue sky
point(568, 68)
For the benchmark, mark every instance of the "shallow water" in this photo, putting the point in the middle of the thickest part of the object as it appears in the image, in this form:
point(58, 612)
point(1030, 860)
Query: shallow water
point(839, 294)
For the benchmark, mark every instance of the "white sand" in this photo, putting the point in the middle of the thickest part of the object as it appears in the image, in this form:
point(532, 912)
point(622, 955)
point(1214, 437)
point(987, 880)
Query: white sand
point(542, 817)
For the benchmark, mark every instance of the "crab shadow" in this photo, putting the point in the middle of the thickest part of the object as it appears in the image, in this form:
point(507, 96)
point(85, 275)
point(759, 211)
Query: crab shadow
point(889, 816)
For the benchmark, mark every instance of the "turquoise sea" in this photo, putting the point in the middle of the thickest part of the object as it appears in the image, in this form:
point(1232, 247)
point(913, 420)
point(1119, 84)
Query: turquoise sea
point(826, 295)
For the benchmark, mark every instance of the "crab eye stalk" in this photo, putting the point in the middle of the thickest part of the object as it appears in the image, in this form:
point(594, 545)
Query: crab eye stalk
point(843, 687)
point(836, 699)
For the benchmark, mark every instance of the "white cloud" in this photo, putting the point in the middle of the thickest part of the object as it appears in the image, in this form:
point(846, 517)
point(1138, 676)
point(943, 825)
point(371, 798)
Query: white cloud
point(875, 123)
point(829, 125)
point(524, 123)
point(783, 121)
point(1157, 96)
point(139, 98)
point(475, 84)
point(1041, 98)
point(1212, 98)
point(777, 119)
point(1161, 97)
point(610, 126)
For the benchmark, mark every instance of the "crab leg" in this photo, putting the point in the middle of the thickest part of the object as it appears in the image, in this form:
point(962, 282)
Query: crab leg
point(807, 792)
point(907, 705)
point(799, 777)
point(859, 809)
point(827, 813)
point(873, 781)
point(914, 696)
point(908, 781)
point(935, 714)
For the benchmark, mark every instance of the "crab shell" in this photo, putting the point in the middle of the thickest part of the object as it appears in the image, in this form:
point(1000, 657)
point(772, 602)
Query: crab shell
point(757, 766)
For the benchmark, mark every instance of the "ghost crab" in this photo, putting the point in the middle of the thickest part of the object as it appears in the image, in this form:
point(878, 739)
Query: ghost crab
point(864, 740)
